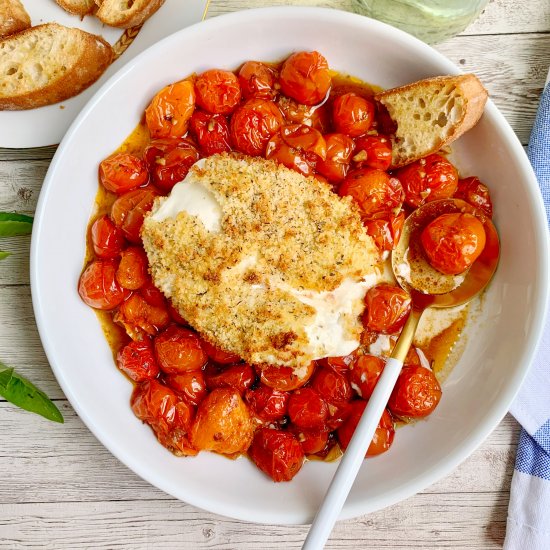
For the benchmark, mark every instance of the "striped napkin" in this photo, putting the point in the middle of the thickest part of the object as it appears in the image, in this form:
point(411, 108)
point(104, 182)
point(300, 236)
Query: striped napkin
point(528, 525)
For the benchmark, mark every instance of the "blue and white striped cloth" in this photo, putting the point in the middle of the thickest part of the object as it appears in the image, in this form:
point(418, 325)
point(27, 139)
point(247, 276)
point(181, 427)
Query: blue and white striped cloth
point(529, 509)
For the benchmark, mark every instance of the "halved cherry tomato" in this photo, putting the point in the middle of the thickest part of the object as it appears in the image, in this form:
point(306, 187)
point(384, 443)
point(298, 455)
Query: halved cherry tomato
point(257, 80)
point(239, 377)
point(386, 231)
point(386, 308)
point(475, 193)
point(428, 179)
point(453, 242)
point(140, 318)
point(316, 116)
point(307, 409)
point(190, 385)
point(98, 286)
point(364, 374)
point(352, 114)
point(376, 193)
point(179, 350)
point(121, 172)
point(383, 436)
point(416, 393)
point(284, 378)
point(218, 91)
point(332, 385)
point(373, 151)
point(211, 132)
point(253, 123)
point(267, 403)
point(128, 211)
point(137, 360)
point(278, 454)
point(169, 160)
point(167, 414)
point(219, 355)
point(305, 77)
point(132, 269)
point(313, 441)
point(339, 152)
point(169, 113)
point(107, 238)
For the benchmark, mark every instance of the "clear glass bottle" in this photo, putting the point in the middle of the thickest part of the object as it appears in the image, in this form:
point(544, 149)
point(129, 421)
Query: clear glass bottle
point(430, 20)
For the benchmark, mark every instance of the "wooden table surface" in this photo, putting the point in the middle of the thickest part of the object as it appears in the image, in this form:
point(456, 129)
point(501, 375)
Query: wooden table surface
point(61, 489)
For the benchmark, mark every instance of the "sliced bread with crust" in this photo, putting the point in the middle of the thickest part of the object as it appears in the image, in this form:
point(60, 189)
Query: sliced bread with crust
point(49, 63)
point(126, 13)
point(13, 17)
point(431, 113)
point(77, 7)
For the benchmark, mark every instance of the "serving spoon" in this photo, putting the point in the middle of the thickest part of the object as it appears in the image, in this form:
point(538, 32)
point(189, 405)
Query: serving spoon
point(427, 288)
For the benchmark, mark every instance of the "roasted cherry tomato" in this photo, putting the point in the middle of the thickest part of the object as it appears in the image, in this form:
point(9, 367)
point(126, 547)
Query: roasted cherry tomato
point(107, 238)
point(140, 318)
point(211, 132)
point(298, 147)
point(257, 80)
point(267, 403)
point(416, 393)
point(364, 374)
point(332, 385)
point(428, 179)
point(179, 350)
point(218, 91)
point(137, 360)
point(152, 295)
point(339, 364)
point(121, 172)
point(475, 193)
point(386, 308)
point(132, 269)
point(190, 385)
point(307, 409)
point(336, 164)
point(253, 123)
point(167, 414)
point(352, 114)
point(284, 378)
point(239, 377)
point(176, 316)
point(305, 77)
point(313, 441)
point(223, 423)
point(169, 113)
point(386, 232)
point(128, 211)
point(316, 116)
point(383, 436)
point(219, 355)
point(169, 160)
point(278, 454)
point(98, 286)
point(376, 193)
point(373, 151)
point(453, 242)
point(338, 412)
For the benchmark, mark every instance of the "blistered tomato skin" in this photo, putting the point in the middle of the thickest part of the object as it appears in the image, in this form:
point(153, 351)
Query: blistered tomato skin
point(257, 80)
point(312, 441)
point(137, 360)
point(211, 132)
point(122, 172)
point(239, 377)
point(179, 350)
point(364, 374)
point(332, 385)
point(218, 355)
point(307, 409)
point(98, 286)
point(132, 269)
point(169, 113)
point(107, 239)
point(352, 114)
point(284, 378)
point(338, 157)
point(373, 151)
point(278, 454)
point(386, 231)
point(386, 308)
point(475, 193)
point(128, 211)
point(190, 385)
point(139, 318)
point(305, 77)
point(218, 91)
point(268, 404)
point(416, 393)
point(453, 242)
point(428, 179)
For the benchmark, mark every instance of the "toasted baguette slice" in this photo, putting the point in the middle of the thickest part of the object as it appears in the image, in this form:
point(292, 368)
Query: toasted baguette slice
point(126, 13)
point(77, 7)
point(13, 17)
point(49, 63)
point(432, 113)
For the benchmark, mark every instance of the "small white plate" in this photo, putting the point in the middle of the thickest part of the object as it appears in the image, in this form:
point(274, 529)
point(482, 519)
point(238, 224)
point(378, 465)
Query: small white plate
point(47, 125)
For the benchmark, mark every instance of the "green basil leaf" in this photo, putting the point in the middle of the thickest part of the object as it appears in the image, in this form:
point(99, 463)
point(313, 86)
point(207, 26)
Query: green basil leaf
point(4, 254)
point(24, 394)
point(12, 224)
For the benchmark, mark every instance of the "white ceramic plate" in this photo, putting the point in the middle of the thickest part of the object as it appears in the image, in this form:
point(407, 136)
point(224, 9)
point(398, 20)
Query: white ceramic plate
point(481, 387)
point(47, 125)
